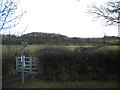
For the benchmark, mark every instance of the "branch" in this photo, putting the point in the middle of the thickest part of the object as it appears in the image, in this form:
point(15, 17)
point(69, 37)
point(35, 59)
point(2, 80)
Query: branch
point(109, 13)
point(8, 19)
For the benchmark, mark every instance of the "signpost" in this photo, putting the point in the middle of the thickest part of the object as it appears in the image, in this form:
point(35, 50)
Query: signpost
point(24, 44)
point(21, 65)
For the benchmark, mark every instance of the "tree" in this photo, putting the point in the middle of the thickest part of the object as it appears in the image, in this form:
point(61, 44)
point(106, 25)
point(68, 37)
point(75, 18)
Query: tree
point(110, 12)
point(9, 17)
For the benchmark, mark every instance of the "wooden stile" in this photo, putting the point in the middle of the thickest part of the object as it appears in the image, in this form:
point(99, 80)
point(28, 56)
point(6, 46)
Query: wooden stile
point(29, 65)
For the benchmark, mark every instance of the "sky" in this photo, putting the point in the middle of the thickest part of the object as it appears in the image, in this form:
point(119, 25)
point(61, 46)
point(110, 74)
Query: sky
point(66, 17)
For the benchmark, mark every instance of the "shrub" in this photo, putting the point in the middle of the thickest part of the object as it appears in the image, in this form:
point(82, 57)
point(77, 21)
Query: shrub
point(102, 65)
point(64, 65)
point(54, 63)
point(8, 61)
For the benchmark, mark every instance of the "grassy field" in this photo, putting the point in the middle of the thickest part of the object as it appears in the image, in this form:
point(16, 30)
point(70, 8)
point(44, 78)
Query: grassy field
point(33, 48)
point(109, 48)
point(33, 83)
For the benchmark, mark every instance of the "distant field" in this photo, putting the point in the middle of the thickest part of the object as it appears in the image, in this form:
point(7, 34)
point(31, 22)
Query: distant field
point(111, 48)
point(33, 83)
point(33, 48)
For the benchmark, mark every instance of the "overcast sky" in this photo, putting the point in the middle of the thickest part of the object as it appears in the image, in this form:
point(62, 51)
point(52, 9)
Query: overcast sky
point(66, 17)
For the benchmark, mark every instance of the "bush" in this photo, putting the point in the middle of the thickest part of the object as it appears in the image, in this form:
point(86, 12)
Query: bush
point(8, 61)
point(64, 65)
point(54, 63)
point(100, 65)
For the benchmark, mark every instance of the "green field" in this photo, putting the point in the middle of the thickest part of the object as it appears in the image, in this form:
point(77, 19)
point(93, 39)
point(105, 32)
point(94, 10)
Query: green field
point(33, 48)
point(111, 48)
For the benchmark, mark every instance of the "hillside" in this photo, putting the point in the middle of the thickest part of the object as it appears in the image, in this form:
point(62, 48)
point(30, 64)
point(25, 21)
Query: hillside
point(56, 39)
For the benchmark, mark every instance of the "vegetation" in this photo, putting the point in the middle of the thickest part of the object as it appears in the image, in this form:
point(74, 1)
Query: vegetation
point(66, 64)
point(34, 83)
point(109, 12)
point(8, 16)
point(82, 64)
point(9, 52)
point(8, 60)
point(36, 38)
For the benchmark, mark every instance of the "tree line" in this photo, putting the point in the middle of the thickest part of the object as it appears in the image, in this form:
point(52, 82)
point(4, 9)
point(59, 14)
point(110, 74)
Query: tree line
point(56, 39)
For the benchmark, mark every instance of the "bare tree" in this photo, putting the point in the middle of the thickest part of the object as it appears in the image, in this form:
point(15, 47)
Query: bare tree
point(109, 12)
point(9, 16)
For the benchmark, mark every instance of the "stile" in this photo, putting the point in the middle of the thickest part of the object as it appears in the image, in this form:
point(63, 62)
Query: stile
point(28, 64)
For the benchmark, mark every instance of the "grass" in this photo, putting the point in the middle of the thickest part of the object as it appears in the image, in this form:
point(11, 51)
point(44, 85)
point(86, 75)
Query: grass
point(30, 48)
point(33, 48)
point(33, 83)
point(110, 48)
point(73, 47)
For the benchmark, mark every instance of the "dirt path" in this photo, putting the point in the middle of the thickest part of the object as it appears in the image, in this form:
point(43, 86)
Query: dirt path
point(15, 79)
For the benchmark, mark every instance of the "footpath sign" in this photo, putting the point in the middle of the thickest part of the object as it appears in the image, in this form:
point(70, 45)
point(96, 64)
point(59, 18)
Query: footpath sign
point(24, 44)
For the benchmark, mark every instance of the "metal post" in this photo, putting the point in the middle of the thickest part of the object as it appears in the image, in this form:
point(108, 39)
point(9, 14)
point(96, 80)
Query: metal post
point(23, 66)
point(24, 44)
point(30, 64)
